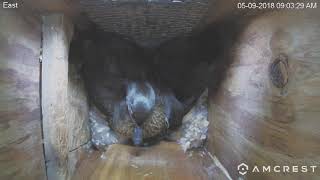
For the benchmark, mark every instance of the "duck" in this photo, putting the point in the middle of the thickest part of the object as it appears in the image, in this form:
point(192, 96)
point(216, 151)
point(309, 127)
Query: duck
point(117, 78)
point(145, 113)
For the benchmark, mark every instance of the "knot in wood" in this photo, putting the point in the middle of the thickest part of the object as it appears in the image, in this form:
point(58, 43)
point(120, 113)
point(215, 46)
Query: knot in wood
point(279, 71)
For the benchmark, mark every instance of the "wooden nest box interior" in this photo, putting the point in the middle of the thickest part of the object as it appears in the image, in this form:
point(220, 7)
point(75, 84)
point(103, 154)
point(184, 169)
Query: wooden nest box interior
point(237, 90)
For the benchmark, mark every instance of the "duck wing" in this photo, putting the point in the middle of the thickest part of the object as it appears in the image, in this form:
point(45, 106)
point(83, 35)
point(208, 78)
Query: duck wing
point(157, 122)
point(121, 121)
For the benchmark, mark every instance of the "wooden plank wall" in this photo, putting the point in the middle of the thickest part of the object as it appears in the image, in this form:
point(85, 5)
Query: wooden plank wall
point(64, 100)
point(54, 94)
point(263, 116)
point(21, 151)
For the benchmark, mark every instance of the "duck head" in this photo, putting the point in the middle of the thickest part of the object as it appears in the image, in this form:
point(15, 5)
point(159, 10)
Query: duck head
point(140, 100)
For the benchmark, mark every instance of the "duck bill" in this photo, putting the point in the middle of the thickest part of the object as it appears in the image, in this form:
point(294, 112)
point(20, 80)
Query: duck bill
point(137, 136)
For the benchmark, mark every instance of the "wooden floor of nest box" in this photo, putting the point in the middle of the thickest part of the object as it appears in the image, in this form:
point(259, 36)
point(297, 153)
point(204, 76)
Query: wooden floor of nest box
point(164, 161)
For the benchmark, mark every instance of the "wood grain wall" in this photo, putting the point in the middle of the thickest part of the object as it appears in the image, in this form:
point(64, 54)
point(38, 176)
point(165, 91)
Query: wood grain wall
point(21, 152)
point(267, 111)
point(64, 100)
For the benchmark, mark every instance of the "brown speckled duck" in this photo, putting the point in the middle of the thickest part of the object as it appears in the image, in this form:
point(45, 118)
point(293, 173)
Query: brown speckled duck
point(115, 72)
point(145, 113)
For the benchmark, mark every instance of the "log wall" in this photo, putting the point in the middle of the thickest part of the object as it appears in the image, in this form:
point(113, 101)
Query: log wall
point(21, 152)
point(267, 110)
point(64, 100)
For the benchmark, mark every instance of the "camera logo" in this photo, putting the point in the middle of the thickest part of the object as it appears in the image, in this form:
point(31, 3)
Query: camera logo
point(243, 168)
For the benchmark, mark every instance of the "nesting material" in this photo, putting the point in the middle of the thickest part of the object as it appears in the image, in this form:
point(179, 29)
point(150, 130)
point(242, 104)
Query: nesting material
point(101, 134)
point(194, 129)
